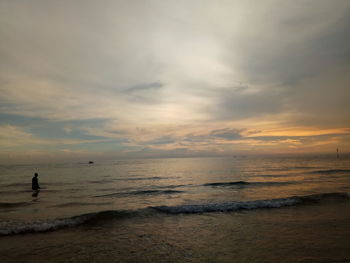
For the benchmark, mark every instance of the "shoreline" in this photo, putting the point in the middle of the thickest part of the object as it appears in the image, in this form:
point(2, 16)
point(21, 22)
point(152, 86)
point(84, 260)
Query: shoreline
point(309, 233)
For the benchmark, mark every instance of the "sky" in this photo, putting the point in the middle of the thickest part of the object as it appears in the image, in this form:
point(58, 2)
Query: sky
point(83, 79)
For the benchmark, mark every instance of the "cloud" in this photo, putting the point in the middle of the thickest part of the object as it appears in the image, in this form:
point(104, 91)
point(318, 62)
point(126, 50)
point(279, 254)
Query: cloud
point(197, 75)
point(15, 138)
point(144, 93)
point(228, 134)
point(161, 140)
point(11, 136)
point(243, 103)
point(323, 100)
point(283, 43)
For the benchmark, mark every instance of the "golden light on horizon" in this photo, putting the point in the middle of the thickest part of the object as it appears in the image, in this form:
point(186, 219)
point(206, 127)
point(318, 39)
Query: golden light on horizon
point(217, 77)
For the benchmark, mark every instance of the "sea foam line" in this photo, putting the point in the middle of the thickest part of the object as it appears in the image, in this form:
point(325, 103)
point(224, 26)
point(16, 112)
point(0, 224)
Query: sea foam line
point(228, 206)
point(248, 205)
point(39, 226)
point(10, 228)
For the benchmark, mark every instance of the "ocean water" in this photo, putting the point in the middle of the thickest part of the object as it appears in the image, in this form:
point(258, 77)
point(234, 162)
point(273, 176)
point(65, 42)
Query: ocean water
point(238, 209)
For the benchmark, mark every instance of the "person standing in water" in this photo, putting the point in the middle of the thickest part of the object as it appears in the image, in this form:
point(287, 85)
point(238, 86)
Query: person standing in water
point(35, 182)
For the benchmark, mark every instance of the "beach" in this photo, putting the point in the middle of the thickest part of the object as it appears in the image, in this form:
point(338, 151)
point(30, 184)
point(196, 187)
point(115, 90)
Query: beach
point(175, 131)
point(254, 223)
point(308, 233)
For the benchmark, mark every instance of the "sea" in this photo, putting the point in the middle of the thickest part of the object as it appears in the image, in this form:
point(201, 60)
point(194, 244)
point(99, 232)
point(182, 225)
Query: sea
point(222, 209)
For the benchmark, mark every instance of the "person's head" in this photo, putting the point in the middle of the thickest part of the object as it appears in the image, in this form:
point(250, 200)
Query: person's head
point(36, 174)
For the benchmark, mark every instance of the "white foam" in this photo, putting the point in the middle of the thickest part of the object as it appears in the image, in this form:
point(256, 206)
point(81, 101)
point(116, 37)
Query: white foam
point(247, 205)
point(229, 206)
point(10, 228)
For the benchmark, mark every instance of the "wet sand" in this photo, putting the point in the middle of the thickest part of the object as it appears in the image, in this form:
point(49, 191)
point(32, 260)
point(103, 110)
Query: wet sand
point(307, 233)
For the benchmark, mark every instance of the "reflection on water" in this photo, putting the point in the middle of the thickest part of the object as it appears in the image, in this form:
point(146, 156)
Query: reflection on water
point(178, 210)
point(136, 184)
point(303, 234)
point(35, 193)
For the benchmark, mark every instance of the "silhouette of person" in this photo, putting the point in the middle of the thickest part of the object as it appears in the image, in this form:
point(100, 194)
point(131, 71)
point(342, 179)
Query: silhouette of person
point(35, 182)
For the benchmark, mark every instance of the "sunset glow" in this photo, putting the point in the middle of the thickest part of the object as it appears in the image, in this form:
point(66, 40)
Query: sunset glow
point(82, 79)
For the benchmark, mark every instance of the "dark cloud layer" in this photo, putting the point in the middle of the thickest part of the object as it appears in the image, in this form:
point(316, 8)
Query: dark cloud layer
point(241, 103)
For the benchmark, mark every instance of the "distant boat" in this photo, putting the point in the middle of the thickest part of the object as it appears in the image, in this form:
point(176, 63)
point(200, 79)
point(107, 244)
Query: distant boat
point(91, 162)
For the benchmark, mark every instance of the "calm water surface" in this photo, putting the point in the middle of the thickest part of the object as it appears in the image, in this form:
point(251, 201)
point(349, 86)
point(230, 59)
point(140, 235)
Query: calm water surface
point(71, 189)
point(138, 203)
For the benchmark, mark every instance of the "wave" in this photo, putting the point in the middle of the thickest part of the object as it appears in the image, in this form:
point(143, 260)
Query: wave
point(143, 192)
point(152, 192)
point(247, 205)
point(39, 226)
point(331, 171)
point(13, 205)
point(273, 175)
point(81, 204)
point(8, 228)
point(227, 207)
point(100, 181)
point(173, 186)
point(11, 192)
point(245, 183)
point(17, 185)
point(144, 178)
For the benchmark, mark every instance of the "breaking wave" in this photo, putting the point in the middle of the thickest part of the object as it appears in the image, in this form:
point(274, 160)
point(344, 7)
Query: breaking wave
point(14, 228)
point(9, 228)
point(247, 205)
